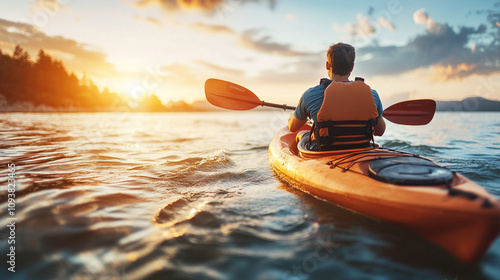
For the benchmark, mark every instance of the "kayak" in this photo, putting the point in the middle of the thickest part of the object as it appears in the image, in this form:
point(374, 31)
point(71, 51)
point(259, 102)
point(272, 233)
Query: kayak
point(401, 188)
point(404, 189)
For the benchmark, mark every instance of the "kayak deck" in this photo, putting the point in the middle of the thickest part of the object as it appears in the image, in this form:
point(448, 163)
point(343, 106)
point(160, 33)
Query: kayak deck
point(460, 216)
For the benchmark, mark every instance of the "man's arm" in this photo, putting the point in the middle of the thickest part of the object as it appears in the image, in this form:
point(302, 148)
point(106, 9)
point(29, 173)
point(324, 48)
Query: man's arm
point(295, 124)
point(380, 128)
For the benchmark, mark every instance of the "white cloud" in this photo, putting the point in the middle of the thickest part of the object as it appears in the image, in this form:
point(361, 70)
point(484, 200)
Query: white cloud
point(422, 18)
point(382, 21)
point(446, 51)
point(361, 28)
point(208, 6)
point(265, 44)
point(52, 7)
point(364, 27)
point(77, 56)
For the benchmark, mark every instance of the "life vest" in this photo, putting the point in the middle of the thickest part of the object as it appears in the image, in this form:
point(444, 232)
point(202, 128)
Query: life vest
point(347, 117)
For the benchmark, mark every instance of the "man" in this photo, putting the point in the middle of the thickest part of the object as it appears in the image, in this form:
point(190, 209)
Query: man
point(346, 114)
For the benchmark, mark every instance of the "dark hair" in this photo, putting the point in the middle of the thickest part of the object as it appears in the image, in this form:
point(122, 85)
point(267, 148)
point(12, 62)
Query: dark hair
point(341, 58)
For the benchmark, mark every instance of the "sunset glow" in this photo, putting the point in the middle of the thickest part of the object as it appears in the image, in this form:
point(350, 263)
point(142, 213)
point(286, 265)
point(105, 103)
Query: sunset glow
point(211, 139)
point(405, 49)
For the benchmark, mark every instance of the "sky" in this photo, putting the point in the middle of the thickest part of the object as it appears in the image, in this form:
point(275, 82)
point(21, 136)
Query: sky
point(444, 50)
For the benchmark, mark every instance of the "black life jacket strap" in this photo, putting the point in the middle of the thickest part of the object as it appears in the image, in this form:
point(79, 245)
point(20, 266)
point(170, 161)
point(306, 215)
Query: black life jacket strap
point(343, 134)
point(325, 82)
point(346, 147)
point(318, 141)
point(311, 133)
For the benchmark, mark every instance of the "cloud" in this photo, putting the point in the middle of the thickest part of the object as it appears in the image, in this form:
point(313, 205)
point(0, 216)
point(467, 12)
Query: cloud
point(446, 50)
point(11, 32)
point(304, 69)
point(382, 21)
point(44, 9)
point(217, 69)
point(50, 6)
point(77, 56)
point(186, 81)
point(181, 74)
point(364, 27)
point(422, 18)
point(150, 20)
point(264, 44)
point(173, 5)
point(200, 26)
point(193, 75)
point(212, 28)
point(249, 39)
point(444, 73)
point(208, 6)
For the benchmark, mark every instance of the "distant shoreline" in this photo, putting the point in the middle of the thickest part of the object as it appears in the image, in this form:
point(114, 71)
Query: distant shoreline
point(471, 104)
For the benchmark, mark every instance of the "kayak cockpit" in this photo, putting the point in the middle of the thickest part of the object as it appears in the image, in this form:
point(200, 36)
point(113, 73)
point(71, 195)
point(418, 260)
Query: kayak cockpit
point(302, 141)
point(394, 167)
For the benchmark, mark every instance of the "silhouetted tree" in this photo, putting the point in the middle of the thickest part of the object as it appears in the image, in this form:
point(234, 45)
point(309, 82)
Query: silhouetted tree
point(150, 103)
point(47, 82)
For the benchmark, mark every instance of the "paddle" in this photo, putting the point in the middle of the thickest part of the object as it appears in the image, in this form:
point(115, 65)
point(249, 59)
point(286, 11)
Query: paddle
point(232, 96)
point(411, 112)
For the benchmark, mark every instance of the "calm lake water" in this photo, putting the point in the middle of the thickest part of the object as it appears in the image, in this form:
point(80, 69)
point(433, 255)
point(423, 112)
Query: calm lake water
point(192, 196)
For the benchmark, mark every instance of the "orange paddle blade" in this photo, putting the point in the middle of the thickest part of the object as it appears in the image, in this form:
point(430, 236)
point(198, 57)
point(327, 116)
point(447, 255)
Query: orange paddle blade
point(229, 95)
point(412, 112)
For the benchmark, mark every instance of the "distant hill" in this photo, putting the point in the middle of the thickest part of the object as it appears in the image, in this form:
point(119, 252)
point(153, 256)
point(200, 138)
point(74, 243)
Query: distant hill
point(471, 104)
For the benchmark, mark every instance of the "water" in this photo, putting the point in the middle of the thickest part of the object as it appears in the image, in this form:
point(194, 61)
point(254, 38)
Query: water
point(192, 196)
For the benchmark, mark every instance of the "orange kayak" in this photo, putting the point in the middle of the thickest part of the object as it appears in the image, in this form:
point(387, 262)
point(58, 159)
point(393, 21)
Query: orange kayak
point(410, 191)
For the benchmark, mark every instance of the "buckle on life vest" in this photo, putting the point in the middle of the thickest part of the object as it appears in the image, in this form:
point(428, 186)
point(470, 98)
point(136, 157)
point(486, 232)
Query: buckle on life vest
point(344, 134)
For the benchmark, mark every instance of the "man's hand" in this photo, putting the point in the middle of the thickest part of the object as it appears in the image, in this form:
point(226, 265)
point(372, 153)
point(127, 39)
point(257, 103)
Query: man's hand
point(380, 128)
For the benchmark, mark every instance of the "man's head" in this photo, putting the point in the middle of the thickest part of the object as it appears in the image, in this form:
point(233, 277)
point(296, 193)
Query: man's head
point(340, 59)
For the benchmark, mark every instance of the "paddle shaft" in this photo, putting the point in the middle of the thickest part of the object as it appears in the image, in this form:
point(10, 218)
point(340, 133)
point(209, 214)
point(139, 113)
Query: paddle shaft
point(274, 105)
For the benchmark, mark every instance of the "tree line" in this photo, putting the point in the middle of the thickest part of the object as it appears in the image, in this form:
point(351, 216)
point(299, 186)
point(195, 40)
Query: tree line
point(45, 81)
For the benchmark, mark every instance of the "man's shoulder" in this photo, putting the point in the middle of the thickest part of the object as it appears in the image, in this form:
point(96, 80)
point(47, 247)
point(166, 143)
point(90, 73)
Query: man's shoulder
point(374, 92)
point(317, 89)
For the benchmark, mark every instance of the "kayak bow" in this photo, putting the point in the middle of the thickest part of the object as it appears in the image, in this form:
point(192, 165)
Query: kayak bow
point(449, 210)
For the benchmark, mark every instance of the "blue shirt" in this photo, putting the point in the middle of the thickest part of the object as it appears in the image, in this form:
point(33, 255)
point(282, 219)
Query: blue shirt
point(312, 99)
